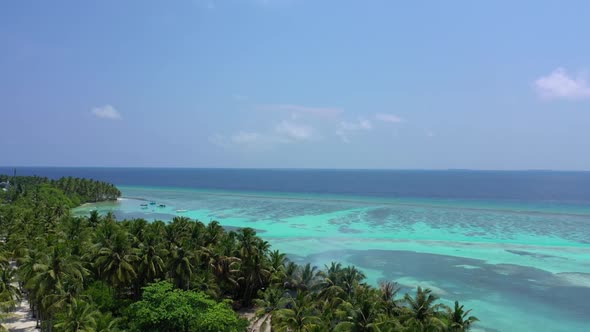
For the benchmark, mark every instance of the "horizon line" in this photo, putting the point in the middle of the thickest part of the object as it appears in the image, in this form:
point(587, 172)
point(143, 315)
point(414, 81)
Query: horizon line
point(311, 168)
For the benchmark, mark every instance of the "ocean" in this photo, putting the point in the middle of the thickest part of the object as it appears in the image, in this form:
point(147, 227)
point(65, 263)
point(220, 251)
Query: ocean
point(512, 245)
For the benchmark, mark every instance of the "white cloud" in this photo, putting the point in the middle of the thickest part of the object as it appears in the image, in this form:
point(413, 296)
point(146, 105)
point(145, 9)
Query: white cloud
point(347, 127)
point(559, 85)
point(106, 112)
point(294, 131)
point(284, 133)
point(317, 111)
point(240, 139)
point(245, 138)
point(385, 117)
point(361, 124)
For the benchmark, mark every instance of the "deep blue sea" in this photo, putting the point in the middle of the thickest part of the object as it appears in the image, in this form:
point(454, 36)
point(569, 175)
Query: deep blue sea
point(553, 186)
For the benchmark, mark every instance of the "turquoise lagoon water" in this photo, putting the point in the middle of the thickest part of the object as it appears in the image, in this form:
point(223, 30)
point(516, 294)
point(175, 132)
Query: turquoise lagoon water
point(521, 266)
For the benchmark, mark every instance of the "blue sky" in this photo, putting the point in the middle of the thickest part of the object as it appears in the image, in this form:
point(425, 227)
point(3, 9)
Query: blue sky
point(296, 83)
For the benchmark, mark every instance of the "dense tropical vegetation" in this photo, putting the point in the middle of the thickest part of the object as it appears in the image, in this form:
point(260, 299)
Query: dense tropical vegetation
point(98, 274)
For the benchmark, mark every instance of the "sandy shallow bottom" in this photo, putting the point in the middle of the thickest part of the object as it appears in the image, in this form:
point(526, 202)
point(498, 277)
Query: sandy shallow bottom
point(521, 267)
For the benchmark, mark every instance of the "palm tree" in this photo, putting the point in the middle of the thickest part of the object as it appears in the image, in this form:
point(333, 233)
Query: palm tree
point(179, 230)
point(77, 234)
point(277, 260)
point(290, 275)
point(253, 255)
point(60, 210)
point(422, 313)
point(79, 316)
point(365, 312)
point(155, 233)
point(299, 316)
point(107, 323)
point(56, 277)
point(333, 272)
point(115, 260)
point(225, 270)
point(271, 301)
point(350, 277)
point(329, 295)
point(4, 262)
point(137, 228)
point(458, 320)
point(94, 219)
point(388, 291)
point(307, 277)
point(28, 266)
point(362, 317)
point(9, 292)
point(151, 261)
point(213, 233)
point(180, 267)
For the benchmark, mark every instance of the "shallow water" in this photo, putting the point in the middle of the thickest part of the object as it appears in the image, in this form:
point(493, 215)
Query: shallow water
point(520, 266)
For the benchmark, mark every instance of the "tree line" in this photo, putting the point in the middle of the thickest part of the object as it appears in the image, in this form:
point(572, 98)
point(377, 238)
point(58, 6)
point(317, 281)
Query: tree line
point(78, 190)
point(98, 274)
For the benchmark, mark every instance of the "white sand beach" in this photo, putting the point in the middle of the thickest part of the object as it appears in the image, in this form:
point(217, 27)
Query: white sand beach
point(21, 320)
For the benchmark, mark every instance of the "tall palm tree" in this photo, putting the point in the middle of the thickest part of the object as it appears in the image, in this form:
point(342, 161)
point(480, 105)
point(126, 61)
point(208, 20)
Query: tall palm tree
point(388, 292)
point(276, 267)
point(459, 319)
point(179, 230)
point(365, 313)
point(94, 219)
point(422, 313)
point(277, 260)
point(213, 233)
point(137, 228)
point(77, 234)
point(10, 294)
point(350, 277)
point(155, 233)
point(28, 263)
point(252, 252)
point(290, 275)
point(107, 323)
point(225, 270)
point(55, 277)
point(271, 301)
point(115, 260)
point(79, 316)
point(333, 272)
point(180, 267)
point(307, 277)
point(361, 317)
point(299, 316)
point(32, 262)
point(4, 262)
point(151, 261)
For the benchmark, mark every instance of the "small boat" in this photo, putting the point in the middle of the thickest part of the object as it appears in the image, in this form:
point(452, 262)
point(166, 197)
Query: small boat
point(181, 210)
point(144, 204)
point(152, 203)
point(162, 205)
